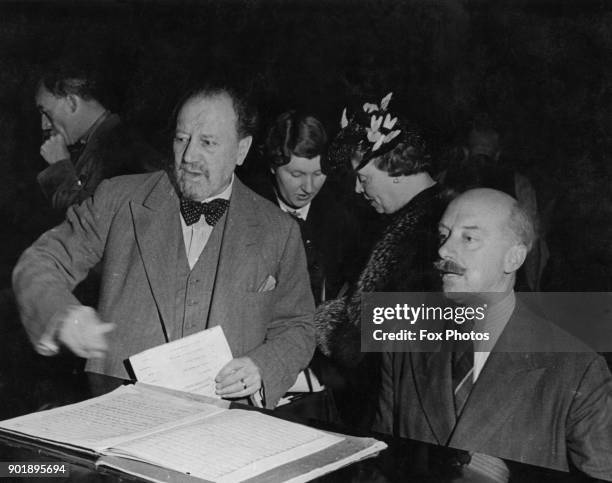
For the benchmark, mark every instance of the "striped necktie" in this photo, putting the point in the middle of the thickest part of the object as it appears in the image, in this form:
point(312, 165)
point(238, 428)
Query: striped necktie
point(462, 368)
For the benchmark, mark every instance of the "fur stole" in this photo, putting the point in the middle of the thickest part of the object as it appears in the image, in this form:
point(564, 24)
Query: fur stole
point(395, 264)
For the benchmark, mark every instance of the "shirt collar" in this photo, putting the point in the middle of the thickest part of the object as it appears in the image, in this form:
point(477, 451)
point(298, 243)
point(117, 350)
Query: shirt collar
point(301, 212)
point(225, 194)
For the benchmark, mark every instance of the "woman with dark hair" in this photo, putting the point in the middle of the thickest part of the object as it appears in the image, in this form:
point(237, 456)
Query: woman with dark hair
point(296, 182)
point(296, 135)
point(296, 151)
point(391, 163)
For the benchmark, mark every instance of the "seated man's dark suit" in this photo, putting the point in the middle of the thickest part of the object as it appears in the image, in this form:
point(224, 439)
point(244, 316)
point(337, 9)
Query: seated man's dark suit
point(251, 278)
point(548, 409)
point(110, 150)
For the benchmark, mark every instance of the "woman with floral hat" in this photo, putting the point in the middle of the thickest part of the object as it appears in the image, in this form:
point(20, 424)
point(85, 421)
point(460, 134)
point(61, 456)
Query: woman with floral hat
point(390, 160)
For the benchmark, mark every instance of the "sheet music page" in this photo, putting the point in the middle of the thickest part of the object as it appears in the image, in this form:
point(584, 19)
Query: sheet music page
point(189, 364)
point(230, 446)
point(122, 414)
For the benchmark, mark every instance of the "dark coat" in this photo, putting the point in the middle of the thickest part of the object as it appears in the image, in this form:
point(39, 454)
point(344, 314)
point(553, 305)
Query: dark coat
point(542, 407)
point(401, 261)
point(111, 150)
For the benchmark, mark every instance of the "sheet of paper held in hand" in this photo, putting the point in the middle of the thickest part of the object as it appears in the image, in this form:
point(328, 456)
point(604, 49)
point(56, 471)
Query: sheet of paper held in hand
point(189, 364)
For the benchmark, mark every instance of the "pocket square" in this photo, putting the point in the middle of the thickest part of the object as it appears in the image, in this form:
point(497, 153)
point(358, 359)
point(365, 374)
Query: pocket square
point(268, 284)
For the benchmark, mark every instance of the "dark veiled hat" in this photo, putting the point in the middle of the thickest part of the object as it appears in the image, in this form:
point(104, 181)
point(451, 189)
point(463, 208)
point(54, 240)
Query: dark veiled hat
point(373, 130)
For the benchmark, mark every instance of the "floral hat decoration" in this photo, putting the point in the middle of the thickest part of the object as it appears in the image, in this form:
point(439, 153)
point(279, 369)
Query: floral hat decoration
point(374, 130)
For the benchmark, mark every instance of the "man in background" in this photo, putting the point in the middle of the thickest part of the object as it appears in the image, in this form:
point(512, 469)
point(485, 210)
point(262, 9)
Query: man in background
point(84, 142)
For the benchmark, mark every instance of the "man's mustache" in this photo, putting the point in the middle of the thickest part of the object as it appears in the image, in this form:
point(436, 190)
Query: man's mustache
point(449, 266)
point(193, 170)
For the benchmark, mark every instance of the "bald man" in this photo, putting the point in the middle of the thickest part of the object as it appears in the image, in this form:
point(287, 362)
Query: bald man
point(537, 406)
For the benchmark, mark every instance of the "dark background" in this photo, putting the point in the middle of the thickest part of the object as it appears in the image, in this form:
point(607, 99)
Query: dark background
point(540, 70)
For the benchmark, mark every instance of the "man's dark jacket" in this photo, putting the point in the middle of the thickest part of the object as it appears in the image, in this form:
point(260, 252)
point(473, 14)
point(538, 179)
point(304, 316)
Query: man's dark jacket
point(542, 406)
point(111, 150)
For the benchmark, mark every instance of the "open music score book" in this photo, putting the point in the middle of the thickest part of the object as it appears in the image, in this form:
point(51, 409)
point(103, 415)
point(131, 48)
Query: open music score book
point(165, 435)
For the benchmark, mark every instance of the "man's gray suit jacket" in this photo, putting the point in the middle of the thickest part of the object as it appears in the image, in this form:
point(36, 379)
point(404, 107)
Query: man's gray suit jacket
point(132, 226)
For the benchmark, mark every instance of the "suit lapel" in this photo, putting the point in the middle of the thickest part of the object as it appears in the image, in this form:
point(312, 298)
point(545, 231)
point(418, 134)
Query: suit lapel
point(500, 387)
point(434, 387)
point(158, 232)
point(239, 250)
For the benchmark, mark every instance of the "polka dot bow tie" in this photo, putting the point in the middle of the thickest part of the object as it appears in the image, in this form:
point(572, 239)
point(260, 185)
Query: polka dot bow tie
point(212, 211)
